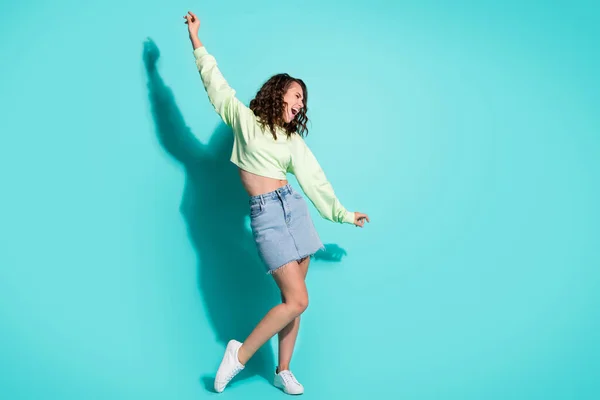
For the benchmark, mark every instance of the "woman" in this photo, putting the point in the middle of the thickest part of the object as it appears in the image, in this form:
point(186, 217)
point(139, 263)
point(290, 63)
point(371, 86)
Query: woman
point(268, 144)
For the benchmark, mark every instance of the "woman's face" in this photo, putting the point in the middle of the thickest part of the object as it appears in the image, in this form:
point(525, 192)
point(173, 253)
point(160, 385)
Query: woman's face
point(294, 101)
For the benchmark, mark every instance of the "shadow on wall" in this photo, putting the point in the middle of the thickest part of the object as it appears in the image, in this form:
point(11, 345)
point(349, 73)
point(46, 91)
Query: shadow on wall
point(232, 281)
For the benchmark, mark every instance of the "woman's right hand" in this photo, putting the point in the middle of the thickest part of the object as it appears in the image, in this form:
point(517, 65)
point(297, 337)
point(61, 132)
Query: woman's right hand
point(360, 218)
point(193, 23)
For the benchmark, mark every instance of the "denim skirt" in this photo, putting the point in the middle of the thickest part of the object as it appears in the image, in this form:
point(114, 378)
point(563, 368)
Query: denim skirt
point(282, 227)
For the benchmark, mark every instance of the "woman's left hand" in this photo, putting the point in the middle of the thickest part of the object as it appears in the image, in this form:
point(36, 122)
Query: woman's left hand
point(360, 218)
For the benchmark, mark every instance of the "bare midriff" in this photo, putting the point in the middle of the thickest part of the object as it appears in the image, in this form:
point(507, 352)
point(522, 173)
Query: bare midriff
point(256, 184)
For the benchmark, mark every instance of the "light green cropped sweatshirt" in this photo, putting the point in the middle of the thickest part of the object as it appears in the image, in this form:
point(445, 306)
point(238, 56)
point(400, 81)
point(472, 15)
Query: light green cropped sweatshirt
point(256, 151)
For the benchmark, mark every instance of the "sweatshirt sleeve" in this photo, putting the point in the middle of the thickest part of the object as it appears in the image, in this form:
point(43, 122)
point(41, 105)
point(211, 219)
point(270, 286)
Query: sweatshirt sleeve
point(314, 183)
point(221, 95)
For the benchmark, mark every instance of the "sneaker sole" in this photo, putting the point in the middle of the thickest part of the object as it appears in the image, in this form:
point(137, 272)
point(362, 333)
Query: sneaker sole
point(280, 386)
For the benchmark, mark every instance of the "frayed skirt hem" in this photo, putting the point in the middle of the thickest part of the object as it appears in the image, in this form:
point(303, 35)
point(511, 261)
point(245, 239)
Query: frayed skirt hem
point(272, 271)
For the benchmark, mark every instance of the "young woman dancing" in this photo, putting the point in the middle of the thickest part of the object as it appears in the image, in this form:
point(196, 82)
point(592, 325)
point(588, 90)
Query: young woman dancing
point(268, 143)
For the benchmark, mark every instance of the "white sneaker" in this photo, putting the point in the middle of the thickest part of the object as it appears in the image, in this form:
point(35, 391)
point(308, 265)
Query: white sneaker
point(230, 366)
point(287, 381)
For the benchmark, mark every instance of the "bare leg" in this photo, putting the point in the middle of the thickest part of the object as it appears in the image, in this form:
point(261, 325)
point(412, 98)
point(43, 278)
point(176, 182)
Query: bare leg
point(290, 280)
point(288, 335)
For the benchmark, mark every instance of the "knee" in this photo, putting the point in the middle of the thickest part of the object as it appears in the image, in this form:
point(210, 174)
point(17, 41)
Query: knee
point(298, 304)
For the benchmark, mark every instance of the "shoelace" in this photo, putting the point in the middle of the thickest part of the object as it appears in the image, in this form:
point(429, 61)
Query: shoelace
point(288, 376)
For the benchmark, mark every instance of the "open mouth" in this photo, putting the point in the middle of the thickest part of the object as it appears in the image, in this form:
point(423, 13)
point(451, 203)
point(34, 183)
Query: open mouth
point(294, 111)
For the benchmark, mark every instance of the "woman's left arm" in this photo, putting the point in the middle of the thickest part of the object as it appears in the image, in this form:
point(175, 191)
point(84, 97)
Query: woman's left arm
point(314, 183)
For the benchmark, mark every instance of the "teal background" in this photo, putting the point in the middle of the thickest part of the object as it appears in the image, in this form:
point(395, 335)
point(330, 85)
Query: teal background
point(468, 132)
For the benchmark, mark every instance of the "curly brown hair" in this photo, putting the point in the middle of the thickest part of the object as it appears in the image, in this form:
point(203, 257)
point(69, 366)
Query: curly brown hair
point(268, 106)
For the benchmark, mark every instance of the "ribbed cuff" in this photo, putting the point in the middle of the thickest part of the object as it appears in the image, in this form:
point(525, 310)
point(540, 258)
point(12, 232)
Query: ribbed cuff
point(200, 51)
point(349, 217)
